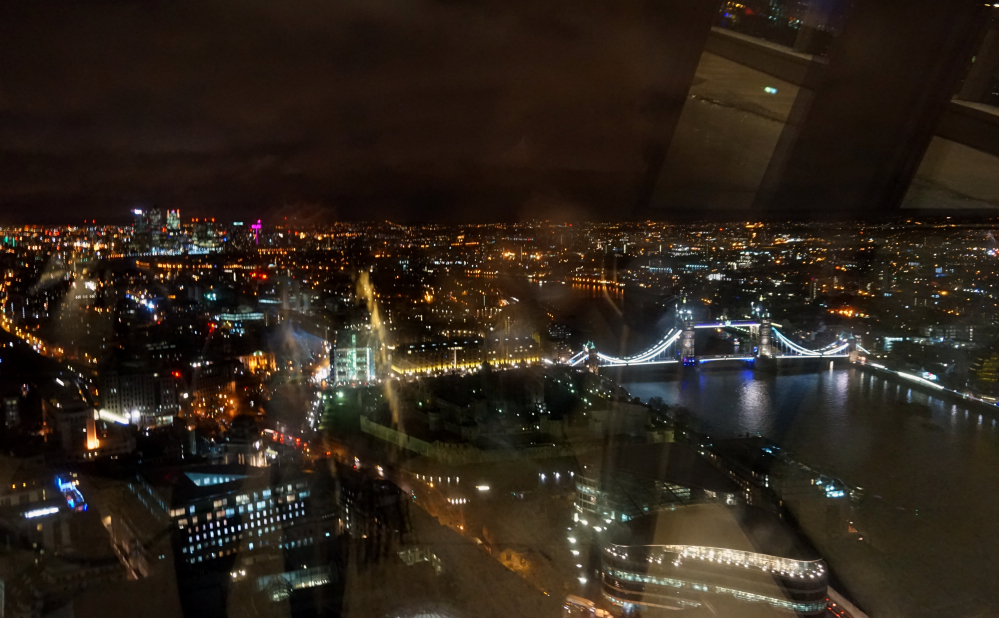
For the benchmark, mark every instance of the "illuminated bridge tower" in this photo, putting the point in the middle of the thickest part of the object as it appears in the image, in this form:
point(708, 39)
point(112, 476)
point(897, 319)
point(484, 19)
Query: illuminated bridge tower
point(687, 353)
point(592, 361)
point(765, 347)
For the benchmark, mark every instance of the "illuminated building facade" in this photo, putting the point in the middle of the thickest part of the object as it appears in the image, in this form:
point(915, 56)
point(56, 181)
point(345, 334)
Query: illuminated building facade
point(238, 531)
point(11, 411)
point(259, 362)
point(205, 237)
point(721, 556)
point(506, 349)
point(41, 509)
point(146, 398)
point(237, 322)
point(353, 359)
point(985, 373)
point(441, 355)
point(220, 511)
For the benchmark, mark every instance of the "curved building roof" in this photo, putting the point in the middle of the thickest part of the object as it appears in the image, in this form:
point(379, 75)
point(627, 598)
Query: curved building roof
point(740, 528)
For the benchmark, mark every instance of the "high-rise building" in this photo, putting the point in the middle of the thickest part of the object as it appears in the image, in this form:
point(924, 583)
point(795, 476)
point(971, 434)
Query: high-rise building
point(157, 230)
point(147, 230)
point(238, 236)
point(205, 239)
point(219, 511)
point(141, 239)
point(173, 220)
point(238, 531)
point(140, 224)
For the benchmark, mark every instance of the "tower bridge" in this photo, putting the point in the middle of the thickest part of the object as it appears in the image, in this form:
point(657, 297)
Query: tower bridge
point(677, 346)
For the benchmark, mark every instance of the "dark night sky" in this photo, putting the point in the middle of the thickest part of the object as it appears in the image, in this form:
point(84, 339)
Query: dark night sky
point(409, 109)
point(412, 110)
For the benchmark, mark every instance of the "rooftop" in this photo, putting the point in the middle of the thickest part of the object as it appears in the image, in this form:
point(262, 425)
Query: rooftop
point(753, 454)
point(180, 485)
point(740, 528)
point(671, 462)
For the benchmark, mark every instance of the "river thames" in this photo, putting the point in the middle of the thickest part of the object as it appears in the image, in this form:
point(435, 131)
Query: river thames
point(929, 469)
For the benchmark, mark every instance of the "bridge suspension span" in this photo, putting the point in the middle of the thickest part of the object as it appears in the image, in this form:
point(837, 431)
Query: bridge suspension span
point(667, 350)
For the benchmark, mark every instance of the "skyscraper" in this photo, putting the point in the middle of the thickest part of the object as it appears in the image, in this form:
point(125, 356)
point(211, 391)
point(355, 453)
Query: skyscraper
point(156, 229)
point(140, 224)
point(173, 220)
point(148, 229)
point(140, 230)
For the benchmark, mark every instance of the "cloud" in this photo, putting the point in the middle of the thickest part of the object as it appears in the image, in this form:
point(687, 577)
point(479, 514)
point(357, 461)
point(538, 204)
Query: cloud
point(214, 103)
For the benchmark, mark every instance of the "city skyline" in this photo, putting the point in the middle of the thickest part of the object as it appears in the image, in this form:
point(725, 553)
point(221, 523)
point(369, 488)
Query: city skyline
point(436, 309)
point(266, 383)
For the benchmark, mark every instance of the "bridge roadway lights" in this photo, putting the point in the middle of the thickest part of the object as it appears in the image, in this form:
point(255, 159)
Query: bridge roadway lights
point(763, 358)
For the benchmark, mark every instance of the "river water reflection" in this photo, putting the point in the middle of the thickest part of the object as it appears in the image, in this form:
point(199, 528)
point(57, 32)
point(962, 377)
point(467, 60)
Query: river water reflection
point(930, 469)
